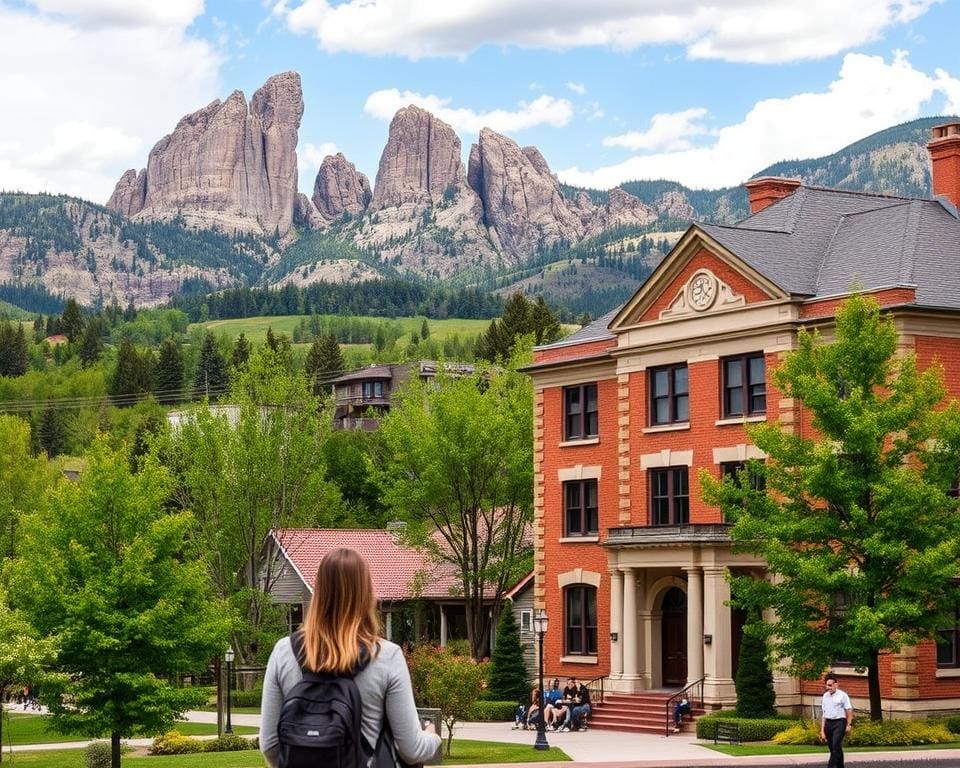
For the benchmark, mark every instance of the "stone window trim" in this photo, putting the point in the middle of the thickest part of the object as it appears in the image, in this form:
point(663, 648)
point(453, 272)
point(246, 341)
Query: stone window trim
point(593, 539)
point(579, 472)
point(571, 443)
point(579, 660)
point(668, 457)
point(737, 453)
point(578, 576)
point(679, 426)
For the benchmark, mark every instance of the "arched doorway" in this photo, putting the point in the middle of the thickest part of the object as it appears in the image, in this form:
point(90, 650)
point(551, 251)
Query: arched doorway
point(673, 645)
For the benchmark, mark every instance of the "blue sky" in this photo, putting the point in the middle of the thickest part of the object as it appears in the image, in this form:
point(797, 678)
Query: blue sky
point(608, 90)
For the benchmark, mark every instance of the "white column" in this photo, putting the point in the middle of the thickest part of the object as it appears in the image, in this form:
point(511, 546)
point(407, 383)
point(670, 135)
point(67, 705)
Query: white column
point(443, 628)
point(694, 624)
point(389, 625)
point(616, 623)
point(630, 623)
point(719, 688)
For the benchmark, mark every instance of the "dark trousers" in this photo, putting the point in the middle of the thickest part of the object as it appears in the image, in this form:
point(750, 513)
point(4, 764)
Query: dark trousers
point(835, 730)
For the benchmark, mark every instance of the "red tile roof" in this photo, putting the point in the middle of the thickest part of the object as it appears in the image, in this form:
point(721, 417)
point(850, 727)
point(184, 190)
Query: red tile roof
point(395, 568)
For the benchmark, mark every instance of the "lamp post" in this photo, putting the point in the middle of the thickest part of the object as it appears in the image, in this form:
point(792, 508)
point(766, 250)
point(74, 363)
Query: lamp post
point(228, 657)
point(540, 627)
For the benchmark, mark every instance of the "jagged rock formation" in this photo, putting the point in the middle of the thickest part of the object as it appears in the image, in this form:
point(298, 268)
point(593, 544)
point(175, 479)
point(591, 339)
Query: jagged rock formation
point(227, 165)
point(129, 194)
point(305, 213)
point(340, 189)
point(421, 159)
point(522, 200)
point(623, 209)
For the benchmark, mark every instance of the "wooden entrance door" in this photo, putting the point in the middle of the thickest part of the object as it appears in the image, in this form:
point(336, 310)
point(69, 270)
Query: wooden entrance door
point(673, 643)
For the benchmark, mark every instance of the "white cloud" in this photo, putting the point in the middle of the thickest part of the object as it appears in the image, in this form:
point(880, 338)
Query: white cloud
point(543, 110)
point(310, 157)
point(90, 85)
point(867, 96)
point(578, 88)
point(123, 13)
point(667, 132)
point(747, 30)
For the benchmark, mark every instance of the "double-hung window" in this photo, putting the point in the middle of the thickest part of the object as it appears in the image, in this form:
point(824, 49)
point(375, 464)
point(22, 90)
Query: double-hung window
point(744, 385)
point(669, 496)
point(580, 620)
point(948, 644)
point(580, 506)
point(581, 414)
point(669, 395)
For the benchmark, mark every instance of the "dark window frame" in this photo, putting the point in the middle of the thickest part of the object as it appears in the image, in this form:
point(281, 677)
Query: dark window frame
point(673, 506)
point(948, 644)
point(752, 393)
point(580, 639)
point(672, 398)
point(580, 422)
point(589, 516)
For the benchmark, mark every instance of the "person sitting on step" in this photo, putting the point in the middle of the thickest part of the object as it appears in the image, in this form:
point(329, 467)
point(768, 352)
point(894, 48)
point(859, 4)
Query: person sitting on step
point(680, 709)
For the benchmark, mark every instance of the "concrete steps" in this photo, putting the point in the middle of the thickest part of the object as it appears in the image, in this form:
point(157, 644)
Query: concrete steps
point(636, 713)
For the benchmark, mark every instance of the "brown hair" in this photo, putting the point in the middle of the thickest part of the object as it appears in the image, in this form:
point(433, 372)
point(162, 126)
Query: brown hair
point(341, 624)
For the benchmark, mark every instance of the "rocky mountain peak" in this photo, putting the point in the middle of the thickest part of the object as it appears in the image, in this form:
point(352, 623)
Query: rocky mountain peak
point(227, 165)
point(421, 159)
point(340, 188)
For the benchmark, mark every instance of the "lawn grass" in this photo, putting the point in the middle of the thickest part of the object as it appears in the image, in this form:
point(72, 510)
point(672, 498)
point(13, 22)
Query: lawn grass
point(464, 752)
point(32, 729)
point(255, 328)
point(775, 750)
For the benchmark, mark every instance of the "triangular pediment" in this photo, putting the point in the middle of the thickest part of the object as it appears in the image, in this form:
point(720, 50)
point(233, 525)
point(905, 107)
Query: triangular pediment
point(698, 277)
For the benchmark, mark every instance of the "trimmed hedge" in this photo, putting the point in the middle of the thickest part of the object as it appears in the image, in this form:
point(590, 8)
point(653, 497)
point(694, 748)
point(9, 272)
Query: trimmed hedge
point(249, 698)
point(175, 743)
point(750, 729)
point(888, 733)
point(492, 711)
point(953, 723)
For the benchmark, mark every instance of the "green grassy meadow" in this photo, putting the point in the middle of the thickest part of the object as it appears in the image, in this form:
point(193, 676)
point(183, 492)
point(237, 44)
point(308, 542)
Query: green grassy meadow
point(464, 752)
point(32, 729)
point(255, 328)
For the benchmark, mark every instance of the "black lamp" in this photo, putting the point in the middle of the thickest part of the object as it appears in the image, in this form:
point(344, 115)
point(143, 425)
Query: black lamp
point(540, 627)
point(228, 657)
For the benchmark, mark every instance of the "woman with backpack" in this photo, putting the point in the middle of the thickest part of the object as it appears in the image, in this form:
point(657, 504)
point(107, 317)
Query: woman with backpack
point(337, 663)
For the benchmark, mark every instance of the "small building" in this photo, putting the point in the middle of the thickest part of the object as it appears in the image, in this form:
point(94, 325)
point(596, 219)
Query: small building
point(363, 395)
point(418, 599)
point(521, 603)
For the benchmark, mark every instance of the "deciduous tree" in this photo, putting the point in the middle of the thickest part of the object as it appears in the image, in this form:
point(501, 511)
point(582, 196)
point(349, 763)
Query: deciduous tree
point(857, 527)
point(104, 572)
point(459, 463)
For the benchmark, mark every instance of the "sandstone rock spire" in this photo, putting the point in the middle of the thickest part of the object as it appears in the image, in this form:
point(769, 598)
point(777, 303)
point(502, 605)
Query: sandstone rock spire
point(340, 188)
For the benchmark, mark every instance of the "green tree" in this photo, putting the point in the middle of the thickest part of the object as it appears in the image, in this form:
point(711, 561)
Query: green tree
point(459, 462)
point(91, 343)
point(71, 321)
point(24, 657)
point(211, 379)
point(241, 351)
point(521, 317)
point(133, 374)
point(860, 536)
point(169, 374)
point(754, 680)
point(104, 573)
point(351, 457)
point(24, 478)
point(508, 674)
point(52, 432)
point(424, 330)
point(446, 681)
point(244, 474)
point(324, 363)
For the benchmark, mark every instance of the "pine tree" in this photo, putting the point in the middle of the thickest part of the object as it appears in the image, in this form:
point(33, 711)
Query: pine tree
point(754, 682)
point(52, 433)
point(324, 362)
point(241, 351)
point(91, 345)
point(6, 349)
point(19, 353)
point(71, 322)
point(424, 330)
point(508, 675)
point(169, 373)
point(211, 379)
point(133, 374)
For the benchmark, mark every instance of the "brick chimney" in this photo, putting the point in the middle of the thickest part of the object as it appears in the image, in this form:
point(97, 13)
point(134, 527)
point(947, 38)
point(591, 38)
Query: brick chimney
point(766, 190)
point(944, 148)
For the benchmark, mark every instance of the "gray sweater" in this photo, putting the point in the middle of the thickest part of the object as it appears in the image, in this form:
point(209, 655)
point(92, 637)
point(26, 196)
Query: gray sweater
point(386, 678)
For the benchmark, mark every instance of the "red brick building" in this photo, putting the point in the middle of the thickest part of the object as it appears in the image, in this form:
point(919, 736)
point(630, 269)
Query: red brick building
point(630, 561)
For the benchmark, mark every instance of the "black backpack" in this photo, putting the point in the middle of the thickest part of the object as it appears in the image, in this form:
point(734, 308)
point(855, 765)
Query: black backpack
point(320, 719)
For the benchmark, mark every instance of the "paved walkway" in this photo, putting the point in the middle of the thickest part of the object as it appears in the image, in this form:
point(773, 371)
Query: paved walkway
point(612, 749)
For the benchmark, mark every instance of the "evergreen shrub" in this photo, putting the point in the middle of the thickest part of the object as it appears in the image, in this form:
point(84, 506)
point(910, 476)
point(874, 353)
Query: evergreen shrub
point(754, 681)
point(508, 674)
point(97, 754)
point(751, 729)
point(492, 711)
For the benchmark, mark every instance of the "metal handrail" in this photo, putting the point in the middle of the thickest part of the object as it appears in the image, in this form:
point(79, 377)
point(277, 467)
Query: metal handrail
point(593, 685)
point(669, 706)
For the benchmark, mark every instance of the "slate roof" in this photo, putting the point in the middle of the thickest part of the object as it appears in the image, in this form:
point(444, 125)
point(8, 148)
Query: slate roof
point(595, 331)
point(394, 568)
point(818, 242)
point(366, 374)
